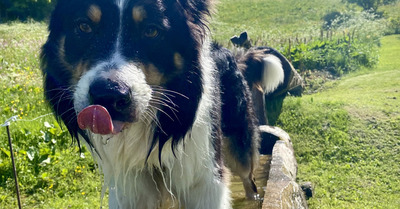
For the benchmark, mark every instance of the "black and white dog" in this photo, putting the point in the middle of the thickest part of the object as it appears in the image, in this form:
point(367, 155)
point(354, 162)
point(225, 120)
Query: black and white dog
point(162, 109)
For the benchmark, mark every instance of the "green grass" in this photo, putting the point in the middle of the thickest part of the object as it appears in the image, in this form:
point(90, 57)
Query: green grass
point(347, 138)
point(271, 21)
point(51, 172)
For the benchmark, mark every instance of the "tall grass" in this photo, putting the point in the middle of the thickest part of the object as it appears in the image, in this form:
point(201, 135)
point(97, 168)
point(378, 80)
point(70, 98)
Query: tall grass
point(51, 169)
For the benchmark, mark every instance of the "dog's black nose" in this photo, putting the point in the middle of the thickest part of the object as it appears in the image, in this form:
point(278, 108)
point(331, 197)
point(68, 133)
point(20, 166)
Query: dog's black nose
point(116, 97)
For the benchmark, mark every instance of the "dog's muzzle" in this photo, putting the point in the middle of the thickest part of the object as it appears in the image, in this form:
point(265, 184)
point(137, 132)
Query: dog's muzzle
point(111, 107)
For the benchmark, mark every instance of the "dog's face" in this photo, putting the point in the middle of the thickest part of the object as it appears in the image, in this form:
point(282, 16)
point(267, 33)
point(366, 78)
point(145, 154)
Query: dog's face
point(111, 63)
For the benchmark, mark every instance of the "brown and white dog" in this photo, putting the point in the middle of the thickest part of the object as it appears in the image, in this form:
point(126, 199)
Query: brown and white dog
point(161, 108)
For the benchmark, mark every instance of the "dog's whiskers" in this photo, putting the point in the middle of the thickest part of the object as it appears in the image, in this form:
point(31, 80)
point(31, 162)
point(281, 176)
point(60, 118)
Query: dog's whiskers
point(161, 103)
point(161, 110)
point(145, 119)
point(173, 110)
point(161, 98)
point(150, 112)
point(61, 88)
point(169, 92)
point(72, 116)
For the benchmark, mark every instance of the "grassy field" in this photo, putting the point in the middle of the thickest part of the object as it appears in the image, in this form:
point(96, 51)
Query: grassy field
point(271, 20)
point(52, 174)
point(346, 137)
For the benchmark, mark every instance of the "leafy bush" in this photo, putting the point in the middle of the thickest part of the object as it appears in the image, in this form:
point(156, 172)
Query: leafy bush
point(366, 4)
point(330, 18)
point(394, 25)
point(391, 13)
point(337, 56)
point(354, 44)
point(365, 25)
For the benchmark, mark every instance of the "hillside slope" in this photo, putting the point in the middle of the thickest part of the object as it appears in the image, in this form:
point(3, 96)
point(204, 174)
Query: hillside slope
point(273, 19)
point(347, 138)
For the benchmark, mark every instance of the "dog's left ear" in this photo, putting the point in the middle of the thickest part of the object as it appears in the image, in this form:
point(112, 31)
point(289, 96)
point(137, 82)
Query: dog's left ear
point(196, 13)
point(199, 5)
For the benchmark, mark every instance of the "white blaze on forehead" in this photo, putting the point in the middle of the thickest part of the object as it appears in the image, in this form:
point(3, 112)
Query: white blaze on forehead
point(117, 68)
point(121, 6)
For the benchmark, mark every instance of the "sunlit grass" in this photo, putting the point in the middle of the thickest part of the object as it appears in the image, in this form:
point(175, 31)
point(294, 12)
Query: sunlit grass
point(347, 137)
point(52, 173)
point(269, 20)
point(20, 80)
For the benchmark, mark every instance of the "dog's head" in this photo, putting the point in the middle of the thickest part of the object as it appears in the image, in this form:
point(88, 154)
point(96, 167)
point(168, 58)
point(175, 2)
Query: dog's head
point(111, 63)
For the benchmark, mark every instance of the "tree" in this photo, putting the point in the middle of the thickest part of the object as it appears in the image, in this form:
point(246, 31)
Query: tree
point(24, 9)
point(4, 4)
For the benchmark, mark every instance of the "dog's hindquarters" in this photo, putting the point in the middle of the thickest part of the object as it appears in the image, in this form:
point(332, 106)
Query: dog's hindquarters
point(239, 124)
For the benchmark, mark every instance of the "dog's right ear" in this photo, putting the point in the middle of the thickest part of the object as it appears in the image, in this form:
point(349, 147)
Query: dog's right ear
point(242, 40)
point(197, 6)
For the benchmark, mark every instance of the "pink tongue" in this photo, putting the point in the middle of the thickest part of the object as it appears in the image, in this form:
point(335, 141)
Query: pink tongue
point(97, 119)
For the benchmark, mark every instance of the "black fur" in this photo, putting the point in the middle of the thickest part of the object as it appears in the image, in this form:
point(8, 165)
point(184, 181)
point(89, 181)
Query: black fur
point(238, 120)
point(239, 124)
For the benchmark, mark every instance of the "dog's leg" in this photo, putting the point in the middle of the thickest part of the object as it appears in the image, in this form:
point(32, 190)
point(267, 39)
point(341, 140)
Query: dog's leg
point(242, 164)
point(144, 190)
point(249, 185)
point(209, 193)
point(258, 102)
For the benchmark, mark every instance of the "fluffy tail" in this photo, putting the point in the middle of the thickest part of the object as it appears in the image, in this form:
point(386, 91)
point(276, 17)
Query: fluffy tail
point(272, 74)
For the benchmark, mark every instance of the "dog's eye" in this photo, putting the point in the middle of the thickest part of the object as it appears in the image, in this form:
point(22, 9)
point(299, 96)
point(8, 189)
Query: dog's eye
point(85, 28)
point(151, 32)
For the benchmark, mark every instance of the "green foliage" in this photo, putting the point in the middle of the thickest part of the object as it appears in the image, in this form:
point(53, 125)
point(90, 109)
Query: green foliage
point(330, 18)
point(392, 14)
point(49, 166)
point(337, 56)
point(347, 136)
point(354, 44)
point(366, 4)
point(20, 83)
point(270, 22)
point(24, 9)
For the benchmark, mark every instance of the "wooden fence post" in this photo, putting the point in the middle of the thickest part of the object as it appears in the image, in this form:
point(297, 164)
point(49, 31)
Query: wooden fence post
point(289, 52)
point(322, 35)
